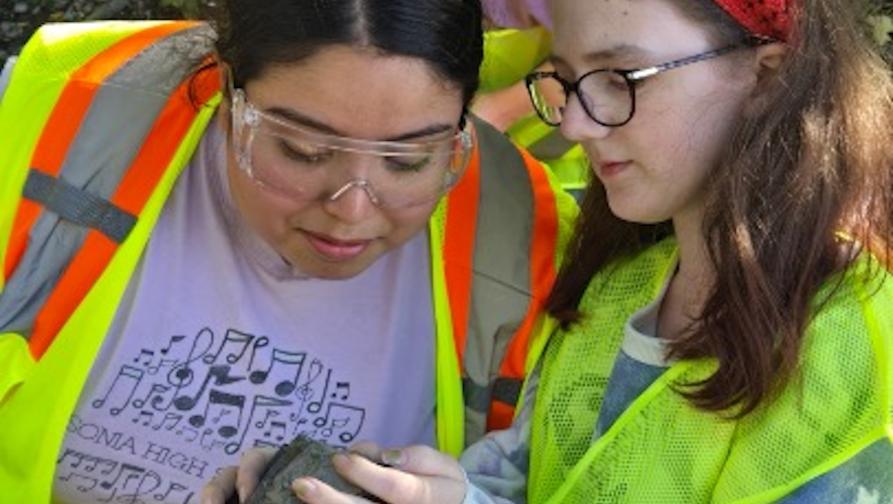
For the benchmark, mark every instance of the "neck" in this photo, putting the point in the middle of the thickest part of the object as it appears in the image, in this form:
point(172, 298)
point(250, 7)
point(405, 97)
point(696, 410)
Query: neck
point(695, 267)
point(690, 285)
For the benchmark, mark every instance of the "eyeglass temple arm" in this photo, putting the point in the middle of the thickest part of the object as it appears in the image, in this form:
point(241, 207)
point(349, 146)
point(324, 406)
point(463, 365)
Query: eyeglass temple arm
point(654, 70)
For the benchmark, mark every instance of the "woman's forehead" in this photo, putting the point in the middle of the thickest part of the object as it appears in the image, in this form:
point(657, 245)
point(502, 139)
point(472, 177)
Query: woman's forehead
point(358, 93)
point(608, 30)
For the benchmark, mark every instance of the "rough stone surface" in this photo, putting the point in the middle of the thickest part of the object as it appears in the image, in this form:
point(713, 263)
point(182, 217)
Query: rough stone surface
point(302, 457)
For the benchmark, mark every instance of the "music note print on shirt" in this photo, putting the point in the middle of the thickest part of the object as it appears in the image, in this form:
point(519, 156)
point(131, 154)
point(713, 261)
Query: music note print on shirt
point(232, 390)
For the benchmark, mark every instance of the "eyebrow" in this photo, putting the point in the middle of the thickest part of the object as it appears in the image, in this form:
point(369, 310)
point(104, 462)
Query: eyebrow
point(303, 120)
point(616, 52)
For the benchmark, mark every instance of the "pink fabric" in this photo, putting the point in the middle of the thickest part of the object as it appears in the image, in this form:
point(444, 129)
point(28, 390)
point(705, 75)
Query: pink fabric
point(767, 18)
point(517, 13)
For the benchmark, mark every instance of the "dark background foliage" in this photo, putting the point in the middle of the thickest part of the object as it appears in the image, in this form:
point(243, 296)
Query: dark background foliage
point(19, 18)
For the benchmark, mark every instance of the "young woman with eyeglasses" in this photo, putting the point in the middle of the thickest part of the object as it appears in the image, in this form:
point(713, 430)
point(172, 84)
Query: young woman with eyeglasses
point(214, 240)
point(723, 324)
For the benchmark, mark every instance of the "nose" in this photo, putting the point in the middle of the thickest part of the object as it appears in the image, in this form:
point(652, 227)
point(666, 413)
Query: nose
point(353, 202)
point(577, 126)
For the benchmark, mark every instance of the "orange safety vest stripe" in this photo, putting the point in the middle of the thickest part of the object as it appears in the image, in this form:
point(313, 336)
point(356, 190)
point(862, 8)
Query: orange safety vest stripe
point(458, 258)
point(66, 118)
point(542, 276)
point(542, 263)
point(131, 195)
point(459, 248)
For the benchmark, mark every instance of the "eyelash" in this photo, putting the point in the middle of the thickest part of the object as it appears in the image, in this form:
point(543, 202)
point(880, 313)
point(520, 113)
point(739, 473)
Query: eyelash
point(296, 153)
point(410, 167)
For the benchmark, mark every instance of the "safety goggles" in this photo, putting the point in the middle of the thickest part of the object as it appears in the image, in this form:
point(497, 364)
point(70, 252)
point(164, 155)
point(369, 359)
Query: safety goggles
point(304, 164)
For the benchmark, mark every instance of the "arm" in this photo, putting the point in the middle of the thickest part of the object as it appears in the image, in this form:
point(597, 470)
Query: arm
point(497, 464)
point(866, 477)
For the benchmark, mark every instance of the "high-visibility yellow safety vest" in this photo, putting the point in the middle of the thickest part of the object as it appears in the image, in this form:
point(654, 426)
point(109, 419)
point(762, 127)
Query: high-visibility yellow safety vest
point(98, 121)
point(662, 449)
point(509, 55)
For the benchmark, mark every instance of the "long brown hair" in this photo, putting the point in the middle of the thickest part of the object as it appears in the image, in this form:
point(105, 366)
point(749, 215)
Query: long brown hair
point(805, 186)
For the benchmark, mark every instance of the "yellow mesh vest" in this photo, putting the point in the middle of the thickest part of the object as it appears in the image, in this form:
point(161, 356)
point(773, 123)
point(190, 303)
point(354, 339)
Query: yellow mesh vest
point(662, 450)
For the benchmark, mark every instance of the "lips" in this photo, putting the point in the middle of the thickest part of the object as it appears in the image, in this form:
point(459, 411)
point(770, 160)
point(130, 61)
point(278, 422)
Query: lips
point(334, 249)
point(607, 169)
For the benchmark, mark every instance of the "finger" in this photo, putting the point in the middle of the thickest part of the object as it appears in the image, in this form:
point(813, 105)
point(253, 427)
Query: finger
point(220, 488)
point(424, 461)
point(251, 466)
point(314, 491)
point(367, 449)
point(397, 486)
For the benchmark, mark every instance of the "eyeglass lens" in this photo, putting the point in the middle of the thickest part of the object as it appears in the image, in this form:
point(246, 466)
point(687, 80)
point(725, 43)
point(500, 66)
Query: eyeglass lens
point(303, 168)
point(605, 95)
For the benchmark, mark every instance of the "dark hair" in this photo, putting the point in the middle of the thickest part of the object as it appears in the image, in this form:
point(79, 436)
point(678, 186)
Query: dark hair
point(805, 185)
point(447, 34)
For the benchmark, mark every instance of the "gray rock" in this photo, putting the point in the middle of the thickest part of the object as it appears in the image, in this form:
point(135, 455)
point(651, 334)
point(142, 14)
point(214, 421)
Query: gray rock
point(302, 457)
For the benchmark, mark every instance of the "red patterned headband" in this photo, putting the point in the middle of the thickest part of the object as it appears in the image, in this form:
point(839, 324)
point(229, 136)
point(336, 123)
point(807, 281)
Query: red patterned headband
point(767, 18)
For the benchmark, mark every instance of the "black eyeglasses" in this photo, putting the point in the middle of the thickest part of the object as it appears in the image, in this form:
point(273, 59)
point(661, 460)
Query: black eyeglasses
point(607, 95)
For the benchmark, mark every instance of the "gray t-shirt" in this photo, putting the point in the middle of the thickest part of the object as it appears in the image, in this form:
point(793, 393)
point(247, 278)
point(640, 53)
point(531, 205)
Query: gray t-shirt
point(218, 346)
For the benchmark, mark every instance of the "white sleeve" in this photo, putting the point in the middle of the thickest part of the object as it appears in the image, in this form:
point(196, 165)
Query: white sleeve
point(496, 466)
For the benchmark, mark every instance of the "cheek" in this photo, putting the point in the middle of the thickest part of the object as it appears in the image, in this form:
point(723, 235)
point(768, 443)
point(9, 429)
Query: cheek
point(266, 213)
point(407, 222)
point(712, 126)
point(692, 132)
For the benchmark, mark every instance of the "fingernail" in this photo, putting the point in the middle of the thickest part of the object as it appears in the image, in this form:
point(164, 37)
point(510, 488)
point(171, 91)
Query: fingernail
point(303, 487)
point(393, 458)
point(341, 458)
point(242, 493)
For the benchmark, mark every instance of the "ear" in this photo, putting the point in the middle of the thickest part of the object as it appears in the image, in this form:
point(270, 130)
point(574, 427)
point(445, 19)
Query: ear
point(766, 62)
point(224, 118)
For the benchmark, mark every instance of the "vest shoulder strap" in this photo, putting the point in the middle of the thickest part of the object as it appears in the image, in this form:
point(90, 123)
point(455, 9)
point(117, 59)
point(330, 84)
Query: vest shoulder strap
point(89, 178)
point(501, 236)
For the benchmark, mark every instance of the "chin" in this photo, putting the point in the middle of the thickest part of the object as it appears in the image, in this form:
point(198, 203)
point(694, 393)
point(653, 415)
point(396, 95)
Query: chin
point(337, 273)
point(637, 212)
point(332, 270)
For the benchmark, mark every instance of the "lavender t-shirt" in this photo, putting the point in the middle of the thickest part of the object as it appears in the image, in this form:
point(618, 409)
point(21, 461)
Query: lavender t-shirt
point(219, 346)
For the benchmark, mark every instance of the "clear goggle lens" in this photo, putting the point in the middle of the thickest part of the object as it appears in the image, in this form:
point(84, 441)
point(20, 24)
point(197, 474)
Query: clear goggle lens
point(304, 164)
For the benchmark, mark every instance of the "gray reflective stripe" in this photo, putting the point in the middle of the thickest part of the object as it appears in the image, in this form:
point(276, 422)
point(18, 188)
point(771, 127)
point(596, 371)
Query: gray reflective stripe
point(507, 390)
point(478, 397)
point(501, 278)
point(5, 74)
point(77, 206)
point(108, 139)
point(551, 146)
point(125, 107)
point(31, 283)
